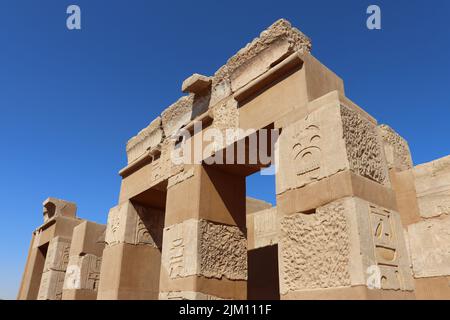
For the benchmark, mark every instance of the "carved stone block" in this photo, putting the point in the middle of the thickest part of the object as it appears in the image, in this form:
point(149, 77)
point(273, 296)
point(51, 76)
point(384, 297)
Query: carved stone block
point(339, 244)
point(186, 295)
point(430, 247)
point(51, 285)
point(265, 228)
point(331, 139)
point(432, 181)
point(83, 272)
point(199, 247)
point(57, 254)
point(396, 149)
point(134, 224)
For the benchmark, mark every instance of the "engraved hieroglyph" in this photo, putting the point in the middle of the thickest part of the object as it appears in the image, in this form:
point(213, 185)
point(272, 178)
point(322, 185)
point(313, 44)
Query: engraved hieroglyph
point(430, 247)
point(199, 247)
point(134, 224)
point(396, 149)
point(315, 249)
point(363, 146)
point(83, 272)
point(57, 254)
point(51, 285)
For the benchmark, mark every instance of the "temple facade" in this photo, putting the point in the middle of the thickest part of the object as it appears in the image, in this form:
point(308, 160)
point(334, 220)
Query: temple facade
point(354, 218)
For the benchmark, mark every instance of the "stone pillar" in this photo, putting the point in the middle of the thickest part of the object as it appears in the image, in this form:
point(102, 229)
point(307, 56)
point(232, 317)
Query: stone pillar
point(85, 257)
point(204, 249)
point(340, 234)
point(132, 256)
point(54, 269)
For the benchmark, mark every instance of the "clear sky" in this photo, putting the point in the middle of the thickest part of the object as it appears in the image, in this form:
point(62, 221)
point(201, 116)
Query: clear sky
point(71, 99)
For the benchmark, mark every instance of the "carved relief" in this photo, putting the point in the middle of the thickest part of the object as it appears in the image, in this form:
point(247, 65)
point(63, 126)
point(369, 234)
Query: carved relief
point(57, 254)
point(199, 247)
point(307, 152)
point(315, 249)
point(363, 148)
point(83, 272)
point(51, 285)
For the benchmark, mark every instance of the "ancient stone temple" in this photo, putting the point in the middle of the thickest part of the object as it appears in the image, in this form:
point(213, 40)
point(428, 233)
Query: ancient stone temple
point(354, 219)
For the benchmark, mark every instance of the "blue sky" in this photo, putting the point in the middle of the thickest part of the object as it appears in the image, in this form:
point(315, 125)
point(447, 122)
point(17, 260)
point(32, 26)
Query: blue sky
point(71, 99)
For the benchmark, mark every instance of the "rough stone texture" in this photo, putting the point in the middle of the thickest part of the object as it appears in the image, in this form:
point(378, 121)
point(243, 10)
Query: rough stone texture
point(265, 228)
point(396, 149)
point(180, 177)
point(148, 138)
point(51, 285)
point(315, 250)
point(225, 115)
point(340, 245)
point(432, 181)
point(56, 207)
point(177, 115)
point(134, 224)
point(196, 83)
point(364, 150)
point(223, 251)
point(199, 247)
point(57, 254)
point(430, 247)
point(83, 272)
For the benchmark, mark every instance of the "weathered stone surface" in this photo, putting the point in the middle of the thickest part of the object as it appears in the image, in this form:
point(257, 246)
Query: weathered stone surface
point(199, 247)
point(396, 149)
point(56, 207)
point(339, 244)
point(254, 205)
point(364, 149)
point(430, 247)
point(196, 83)
point(432, 182)
point(148, 138)
point(265, 228)
point(177, 115)
point(225, 115)
point(186, 295)
point(51, 285)
point(57, 254)
point(83, 272)
point(134, 224)
point(180, 177)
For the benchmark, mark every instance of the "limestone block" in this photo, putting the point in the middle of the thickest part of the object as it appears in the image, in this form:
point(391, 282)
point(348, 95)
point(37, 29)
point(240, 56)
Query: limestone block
point(56, 207)
point(225, 115)
point(199, 247)
point(396, 149)
point(331, 139)
point(186, 295)
point(254, 205)
point(266, 228)
point(432, 181)
point(196, 83)
point(83, 272)
point(257, 65)
point(88, 237)
point(221, 85)
point(57, 254)
point(339, 244)
point(134, 224)
point(180, 177)
point(430, 247)
point(51, 285)
point(177, 115)
point(148, 138)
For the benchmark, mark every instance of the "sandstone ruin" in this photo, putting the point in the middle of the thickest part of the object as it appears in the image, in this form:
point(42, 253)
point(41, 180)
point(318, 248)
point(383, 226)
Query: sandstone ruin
point(354, 219)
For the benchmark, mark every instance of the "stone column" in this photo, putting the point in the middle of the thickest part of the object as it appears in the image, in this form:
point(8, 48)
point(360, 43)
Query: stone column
point(340, 234)
point(132, 256)
point(204, 249)
point(85, 257)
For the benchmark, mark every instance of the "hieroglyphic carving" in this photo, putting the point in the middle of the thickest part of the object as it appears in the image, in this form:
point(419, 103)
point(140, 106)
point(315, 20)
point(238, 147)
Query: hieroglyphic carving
point(199, 247)
point(83, 272)
point(57, 254)
point(51, 285)
point(315, 249)
point(363, 147)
